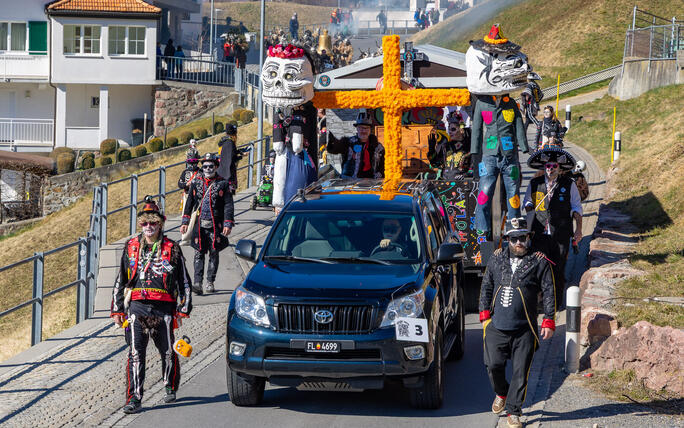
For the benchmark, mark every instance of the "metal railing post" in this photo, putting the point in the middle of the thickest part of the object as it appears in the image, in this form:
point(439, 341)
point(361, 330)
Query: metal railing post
point(260, 157)
point(650, 47)
point(37, 307)
point(92, 269)
point(134, 205)
point(250, 170)
point(103, 215)
point(162, 188)
point(82, 290)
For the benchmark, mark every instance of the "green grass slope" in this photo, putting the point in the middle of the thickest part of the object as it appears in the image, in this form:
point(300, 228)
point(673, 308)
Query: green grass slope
point(277, 14)
point(571, 38)
point(648, 186)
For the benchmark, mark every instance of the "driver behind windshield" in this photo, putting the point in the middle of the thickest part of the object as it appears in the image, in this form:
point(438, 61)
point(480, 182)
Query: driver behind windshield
point(391, 231)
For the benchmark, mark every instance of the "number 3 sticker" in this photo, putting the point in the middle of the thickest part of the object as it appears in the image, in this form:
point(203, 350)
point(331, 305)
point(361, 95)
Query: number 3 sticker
point(411, 329)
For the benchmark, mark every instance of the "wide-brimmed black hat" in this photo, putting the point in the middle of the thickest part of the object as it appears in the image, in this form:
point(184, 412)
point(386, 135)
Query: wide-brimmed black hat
point(363, 118)
point(495, 42)
point(539, 158)
point(209, 157)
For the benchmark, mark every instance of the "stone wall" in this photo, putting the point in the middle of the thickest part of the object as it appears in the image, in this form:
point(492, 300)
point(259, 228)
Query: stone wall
point(63, 190)
point(183, 102)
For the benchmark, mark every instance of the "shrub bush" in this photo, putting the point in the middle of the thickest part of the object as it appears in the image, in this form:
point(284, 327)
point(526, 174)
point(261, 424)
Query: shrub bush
point(108, 146)
point(88, 163)
point(65, 163)
point(202, 133)
point(218, 127)
point(88, 155)
point(246, 116)
point(105, 160)
point(155, 145)
point(124, 155)
point(185, 137)
point(171, 142)
point(237, 113)
point(139, 151)
point(62, 150)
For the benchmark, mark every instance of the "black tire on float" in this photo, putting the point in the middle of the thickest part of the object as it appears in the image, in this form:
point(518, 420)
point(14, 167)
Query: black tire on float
point(254, 203)
point(431, 394)
point(458, 348)
point(244, 391)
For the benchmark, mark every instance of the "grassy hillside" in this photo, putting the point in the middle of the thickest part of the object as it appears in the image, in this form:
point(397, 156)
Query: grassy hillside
point(649, 187)
point(66, 226)
point(571, 38)
point(277, 14)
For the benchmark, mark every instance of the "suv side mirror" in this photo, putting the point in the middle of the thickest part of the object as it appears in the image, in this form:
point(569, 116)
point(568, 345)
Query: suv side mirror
point(450, 252)
point(246, 248)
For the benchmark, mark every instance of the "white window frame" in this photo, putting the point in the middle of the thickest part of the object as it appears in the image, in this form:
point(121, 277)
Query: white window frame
point(81, 40)
point(127, 40)
point(9, 50)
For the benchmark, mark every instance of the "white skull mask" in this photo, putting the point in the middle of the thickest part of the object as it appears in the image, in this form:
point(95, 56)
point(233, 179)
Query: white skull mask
point(287, 82)
point(495, 73)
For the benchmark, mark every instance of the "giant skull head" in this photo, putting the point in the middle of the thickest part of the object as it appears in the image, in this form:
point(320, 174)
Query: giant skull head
point(287, 77)
point(495, 66)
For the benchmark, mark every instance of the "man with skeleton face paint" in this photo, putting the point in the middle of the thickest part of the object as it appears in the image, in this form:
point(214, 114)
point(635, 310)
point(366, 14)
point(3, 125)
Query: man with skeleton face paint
point(210, 196)
point(152, 280)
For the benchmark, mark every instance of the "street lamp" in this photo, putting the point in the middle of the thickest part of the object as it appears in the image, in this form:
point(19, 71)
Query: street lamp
point(211, 29)
point(260, 101)
point(217, 10)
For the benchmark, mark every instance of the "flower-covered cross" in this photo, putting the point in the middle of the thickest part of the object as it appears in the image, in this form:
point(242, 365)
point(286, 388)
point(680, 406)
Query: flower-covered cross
point(393, 101)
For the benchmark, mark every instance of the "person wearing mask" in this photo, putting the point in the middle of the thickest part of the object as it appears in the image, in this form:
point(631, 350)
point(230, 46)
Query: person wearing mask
point(151, 291)
point(555, 201)
point(294, 27)
point(210, 194)
point(512, 281)
point(364, 155)
point(169, 52)
point(550, 132)
point(391, 233)
point(452, 156)
point(229, 157)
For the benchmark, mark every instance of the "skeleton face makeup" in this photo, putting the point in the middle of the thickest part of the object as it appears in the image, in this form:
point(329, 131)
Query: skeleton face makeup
point(287, 81)
point(150, 229)
point(209, 169)
point(495, 73)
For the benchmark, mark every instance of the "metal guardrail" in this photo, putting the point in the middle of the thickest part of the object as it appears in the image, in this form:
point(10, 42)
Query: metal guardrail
point(583, 81)
point(89, 246)
point(196, 70)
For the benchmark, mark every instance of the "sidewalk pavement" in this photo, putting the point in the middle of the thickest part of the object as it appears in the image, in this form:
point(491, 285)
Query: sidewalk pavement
point(76, 377)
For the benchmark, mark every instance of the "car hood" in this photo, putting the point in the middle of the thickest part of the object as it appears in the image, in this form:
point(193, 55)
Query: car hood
point(340, 280)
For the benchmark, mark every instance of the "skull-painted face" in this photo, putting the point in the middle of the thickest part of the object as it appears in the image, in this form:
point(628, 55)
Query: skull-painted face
point(495, 73)
point(287, 82)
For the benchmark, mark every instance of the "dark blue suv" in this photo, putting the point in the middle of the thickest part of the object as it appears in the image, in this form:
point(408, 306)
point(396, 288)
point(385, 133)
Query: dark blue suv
point(352, 287)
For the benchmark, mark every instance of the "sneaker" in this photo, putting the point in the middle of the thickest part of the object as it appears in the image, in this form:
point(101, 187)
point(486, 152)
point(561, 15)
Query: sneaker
point(197, 289)
point(498, 404)
point(209, 287)
point(170, 396)
point(132, 406)
point(513, 421)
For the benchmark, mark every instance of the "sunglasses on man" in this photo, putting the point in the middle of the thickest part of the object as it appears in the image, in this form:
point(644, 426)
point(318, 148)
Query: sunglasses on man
point(390, 228)
point(551, 165)
point(149, 223)
point(208, 167)
point(516, 239)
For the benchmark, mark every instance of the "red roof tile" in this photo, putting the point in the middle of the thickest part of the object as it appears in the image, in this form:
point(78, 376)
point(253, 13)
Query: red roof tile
point(121, 6)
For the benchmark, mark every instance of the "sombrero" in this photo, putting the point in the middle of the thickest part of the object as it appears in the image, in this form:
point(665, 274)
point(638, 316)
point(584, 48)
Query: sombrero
point(539, 158)
point(495, 42)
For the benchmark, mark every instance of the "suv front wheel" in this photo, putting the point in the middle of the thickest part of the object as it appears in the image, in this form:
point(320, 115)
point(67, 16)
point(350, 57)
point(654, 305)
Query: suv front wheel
point(244, 391)
point(431, 394)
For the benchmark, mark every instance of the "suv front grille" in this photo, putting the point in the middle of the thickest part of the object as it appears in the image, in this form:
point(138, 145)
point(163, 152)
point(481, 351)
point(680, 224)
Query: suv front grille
point(347, 319)
point(300, 354)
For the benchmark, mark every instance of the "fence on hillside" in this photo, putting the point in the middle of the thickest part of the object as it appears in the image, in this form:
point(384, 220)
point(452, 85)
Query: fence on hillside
point(652, 38)
point(88, 247)
point(581, 82)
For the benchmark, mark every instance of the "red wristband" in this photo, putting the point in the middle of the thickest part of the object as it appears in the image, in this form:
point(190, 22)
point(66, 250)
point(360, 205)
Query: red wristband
point(548, 323)
point(484, 315)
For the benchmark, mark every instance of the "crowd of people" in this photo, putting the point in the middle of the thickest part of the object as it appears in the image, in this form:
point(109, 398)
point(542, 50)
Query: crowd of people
point(339, 54)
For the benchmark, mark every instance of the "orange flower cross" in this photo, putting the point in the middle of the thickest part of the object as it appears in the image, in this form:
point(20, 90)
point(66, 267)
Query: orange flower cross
point(393, 101)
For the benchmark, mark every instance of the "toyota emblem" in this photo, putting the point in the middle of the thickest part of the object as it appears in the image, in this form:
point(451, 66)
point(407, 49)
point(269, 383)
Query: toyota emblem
point(323, 317)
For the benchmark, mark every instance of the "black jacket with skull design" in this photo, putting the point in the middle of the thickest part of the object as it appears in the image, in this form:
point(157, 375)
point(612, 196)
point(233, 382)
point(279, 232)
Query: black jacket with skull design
point(220, 201)
point(353, 150)
point(515, 293)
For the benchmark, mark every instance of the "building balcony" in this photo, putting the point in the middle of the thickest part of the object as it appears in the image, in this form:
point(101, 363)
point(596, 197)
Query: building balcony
point(24, 68)
point(26, 135)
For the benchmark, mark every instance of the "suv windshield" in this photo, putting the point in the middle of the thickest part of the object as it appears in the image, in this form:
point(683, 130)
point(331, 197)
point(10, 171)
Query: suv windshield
point(349, 237)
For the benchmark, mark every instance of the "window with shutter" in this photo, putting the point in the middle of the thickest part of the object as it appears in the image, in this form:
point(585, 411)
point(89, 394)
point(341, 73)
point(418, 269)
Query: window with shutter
point(38, 37)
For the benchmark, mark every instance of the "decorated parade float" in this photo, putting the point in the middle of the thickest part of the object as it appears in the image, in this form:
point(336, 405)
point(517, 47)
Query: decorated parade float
point(405, 92)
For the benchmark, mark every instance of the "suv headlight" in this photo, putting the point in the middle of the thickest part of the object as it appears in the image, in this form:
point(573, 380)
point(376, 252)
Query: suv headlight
point(251, 307)
point(409, 306)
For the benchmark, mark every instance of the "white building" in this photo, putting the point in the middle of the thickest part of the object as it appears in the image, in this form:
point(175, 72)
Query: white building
point(75, 72)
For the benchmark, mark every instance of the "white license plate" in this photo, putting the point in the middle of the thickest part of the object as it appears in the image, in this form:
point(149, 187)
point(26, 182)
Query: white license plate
point(322, 346)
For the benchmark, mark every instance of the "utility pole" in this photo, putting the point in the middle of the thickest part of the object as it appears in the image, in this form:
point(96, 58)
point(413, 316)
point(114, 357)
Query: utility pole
point(211, 30)
point(260, 101)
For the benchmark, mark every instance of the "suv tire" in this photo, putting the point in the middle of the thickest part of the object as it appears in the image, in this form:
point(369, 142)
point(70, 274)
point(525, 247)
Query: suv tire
point(458, 348)
point(244, 391)
point(431, 394)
